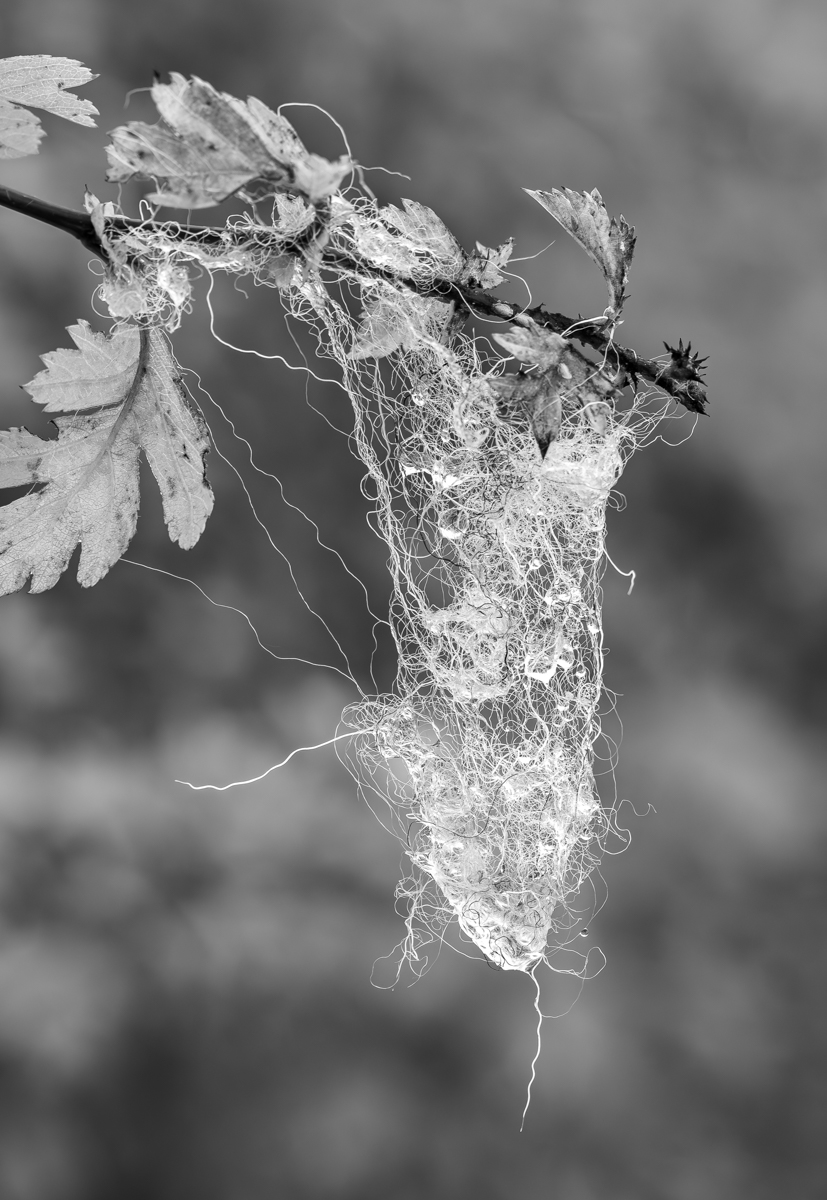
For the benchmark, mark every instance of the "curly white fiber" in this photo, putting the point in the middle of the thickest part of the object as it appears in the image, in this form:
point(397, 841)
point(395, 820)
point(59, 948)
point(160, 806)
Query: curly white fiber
point(485, 748)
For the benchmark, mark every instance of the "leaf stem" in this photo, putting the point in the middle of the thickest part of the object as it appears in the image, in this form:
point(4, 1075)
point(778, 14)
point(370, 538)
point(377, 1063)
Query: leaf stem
point(126, 404)
point(135, 386)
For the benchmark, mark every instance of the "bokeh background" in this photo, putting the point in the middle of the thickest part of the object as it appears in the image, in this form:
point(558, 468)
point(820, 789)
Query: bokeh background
point(185, 999)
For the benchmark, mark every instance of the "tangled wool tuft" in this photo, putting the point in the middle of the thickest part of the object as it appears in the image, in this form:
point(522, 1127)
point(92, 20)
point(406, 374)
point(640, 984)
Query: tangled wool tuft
point(485, 749)
point(490, 490)
point(488, 485)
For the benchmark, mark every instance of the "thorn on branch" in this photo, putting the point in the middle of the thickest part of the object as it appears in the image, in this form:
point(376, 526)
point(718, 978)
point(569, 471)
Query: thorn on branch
point(685, 371)
point(685, 365)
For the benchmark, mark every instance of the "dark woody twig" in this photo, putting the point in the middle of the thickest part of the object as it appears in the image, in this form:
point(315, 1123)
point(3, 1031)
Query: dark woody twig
point(681, 378)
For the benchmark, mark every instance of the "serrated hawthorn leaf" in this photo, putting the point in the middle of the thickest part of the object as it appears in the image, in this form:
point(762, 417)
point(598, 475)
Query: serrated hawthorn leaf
point(317, 177)
point(565, 383)
point(188, 177)
point(39, 81)
point(533, 345)
point(294, 215)
point(482, 265)
point(386, 325)
point(380, 332)
point(424, 238)
point(209, 144)
point(535, 398)
point(20, 131)
point(96, 374)
point(609, 242)
point(275, 132)
point(119, 395)
point(373, 241)
point(395, 320)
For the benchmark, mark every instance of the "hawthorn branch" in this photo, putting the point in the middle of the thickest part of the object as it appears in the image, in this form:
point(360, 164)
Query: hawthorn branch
point(680, 379)
point(78, 224)
point(684, 385)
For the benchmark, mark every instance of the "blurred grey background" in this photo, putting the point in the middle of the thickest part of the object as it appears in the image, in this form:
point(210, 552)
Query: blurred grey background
point(185, 998)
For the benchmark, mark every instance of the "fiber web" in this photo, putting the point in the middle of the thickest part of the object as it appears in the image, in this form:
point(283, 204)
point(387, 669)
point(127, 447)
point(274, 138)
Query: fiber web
point(484, 750)
point(486, 746)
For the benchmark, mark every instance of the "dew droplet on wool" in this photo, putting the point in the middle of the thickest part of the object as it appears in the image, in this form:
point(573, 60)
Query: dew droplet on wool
point(454, 525)
point(565, 655)
point(556, 599)
point(541, 667)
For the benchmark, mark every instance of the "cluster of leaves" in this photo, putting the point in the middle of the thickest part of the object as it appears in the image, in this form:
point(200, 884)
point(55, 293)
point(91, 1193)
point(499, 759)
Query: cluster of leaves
point(209, 145)
point(115, 396)
point(119, 394)
point(38, 81)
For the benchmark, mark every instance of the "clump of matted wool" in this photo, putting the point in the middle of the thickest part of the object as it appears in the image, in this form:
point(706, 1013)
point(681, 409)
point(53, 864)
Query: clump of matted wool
point(490, 491)
point(485, 749)
point(489, 486)
point(488, 741)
